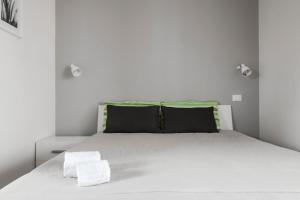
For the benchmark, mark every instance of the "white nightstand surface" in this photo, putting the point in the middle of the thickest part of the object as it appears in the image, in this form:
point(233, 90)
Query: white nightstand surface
point(50, 147)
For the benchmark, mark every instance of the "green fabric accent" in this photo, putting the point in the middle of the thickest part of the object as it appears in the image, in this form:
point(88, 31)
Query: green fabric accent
point(126, 103)
point(133, 103)
point(195, 104)
point(189, 104)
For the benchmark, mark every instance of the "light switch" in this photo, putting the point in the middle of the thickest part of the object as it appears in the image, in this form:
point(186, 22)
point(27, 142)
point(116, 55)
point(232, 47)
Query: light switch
point(237, 98)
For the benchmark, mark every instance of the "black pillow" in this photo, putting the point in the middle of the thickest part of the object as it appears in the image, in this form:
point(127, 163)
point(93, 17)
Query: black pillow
point(189, 120)
point(123, 119)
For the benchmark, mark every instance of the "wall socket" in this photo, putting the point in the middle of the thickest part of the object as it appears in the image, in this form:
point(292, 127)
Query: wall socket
point(237, 97)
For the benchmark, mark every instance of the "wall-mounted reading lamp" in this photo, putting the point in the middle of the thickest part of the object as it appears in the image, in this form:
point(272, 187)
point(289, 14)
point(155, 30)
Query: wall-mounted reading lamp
point(75, 70)
point(245, 70)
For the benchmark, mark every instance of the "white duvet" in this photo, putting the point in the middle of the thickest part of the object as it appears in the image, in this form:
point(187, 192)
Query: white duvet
point(224, 166)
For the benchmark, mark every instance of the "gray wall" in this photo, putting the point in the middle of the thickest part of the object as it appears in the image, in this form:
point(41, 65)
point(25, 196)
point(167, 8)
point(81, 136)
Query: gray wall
point(279, 72)
point(27, 86)
point(154, 50)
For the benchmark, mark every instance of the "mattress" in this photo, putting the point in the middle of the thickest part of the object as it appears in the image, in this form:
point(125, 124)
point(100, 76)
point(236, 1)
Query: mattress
point(223, 166)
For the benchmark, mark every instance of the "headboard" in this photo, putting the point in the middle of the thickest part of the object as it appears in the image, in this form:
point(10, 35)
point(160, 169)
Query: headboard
point(225, 114)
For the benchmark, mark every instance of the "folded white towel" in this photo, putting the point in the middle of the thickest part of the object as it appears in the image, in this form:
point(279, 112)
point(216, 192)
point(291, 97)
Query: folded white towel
point(93, 173)
point(72, 159)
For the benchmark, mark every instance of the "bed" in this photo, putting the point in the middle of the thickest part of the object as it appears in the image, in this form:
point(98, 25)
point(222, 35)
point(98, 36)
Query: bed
point(217, 166)
point(228, 165)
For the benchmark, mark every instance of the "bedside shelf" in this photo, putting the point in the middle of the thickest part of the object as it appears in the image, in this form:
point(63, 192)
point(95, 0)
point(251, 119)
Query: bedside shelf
point(52, 146)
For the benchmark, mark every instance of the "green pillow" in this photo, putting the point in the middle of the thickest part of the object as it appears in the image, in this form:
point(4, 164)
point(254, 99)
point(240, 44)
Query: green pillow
point(195, 104)
point(126, 103)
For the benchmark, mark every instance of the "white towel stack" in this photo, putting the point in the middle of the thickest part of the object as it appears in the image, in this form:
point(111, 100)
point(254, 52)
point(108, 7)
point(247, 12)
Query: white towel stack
point(93, 173)
point(72, 159)
point(87, 167)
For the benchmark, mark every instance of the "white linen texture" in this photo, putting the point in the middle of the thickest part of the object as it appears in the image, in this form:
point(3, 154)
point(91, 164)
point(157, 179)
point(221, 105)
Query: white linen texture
point(221, 166)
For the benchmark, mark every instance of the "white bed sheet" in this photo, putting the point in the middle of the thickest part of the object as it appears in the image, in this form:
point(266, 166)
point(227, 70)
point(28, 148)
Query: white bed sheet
point(223, 166)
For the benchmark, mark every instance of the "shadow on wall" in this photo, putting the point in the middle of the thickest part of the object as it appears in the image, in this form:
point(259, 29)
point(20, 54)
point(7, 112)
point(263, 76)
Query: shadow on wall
point(255, 74)
point(67, 74)
point(14, 172)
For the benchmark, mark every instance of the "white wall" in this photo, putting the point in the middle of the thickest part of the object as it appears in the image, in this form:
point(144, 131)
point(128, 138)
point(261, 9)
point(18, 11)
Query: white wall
point(27, 85)
point(154, 50)
point(280, 72)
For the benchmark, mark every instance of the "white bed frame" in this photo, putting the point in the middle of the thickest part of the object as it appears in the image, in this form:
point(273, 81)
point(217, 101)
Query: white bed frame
point(225, 113)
